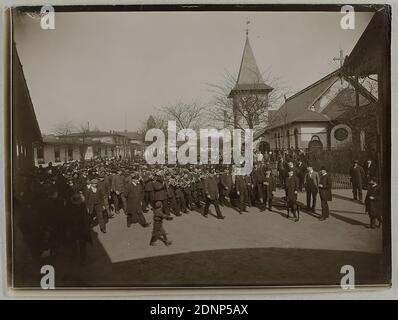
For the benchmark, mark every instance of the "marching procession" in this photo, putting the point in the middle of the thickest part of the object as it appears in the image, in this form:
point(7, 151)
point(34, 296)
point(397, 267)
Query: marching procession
point(64, 202)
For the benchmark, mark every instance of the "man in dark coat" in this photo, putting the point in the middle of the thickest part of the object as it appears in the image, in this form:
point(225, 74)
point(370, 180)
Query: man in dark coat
point(210, 187)
point(325, 192)
point(357, 175)
point(311, 182)
point(105, 189)
point(188, 192)
point(291, 188)
point(282, 166)
point(250, 191)
point(54, 221)
point(148, 190)
point(199, 190)
point(94, 199)
point(118, 188)
point(269, 187)
point(259, 175)
point(134, 195)
point(253, 178)
point(225, 186)
point(180, 197)
point(108, 186)
point(373, 203)
point(171, 196)
point(79, 225)
point(241, 192)
point(158, 232)
point(160, 192)
point(301, 172)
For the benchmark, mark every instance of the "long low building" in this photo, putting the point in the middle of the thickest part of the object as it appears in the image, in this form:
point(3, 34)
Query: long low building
point(89, 145)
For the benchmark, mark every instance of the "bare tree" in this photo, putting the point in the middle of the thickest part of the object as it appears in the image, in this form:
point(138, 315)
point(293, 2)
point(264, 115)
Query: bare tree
point(252, 108)
point(186, 115)
point(84, 130)
point(153, 122)
point(64, 128)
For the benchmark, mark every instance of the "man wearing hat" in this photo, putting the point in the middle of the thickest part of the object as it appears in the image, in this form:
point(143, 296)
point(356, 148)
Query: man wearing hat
point(160, 192)
point(118, 187)
point(373, 203)
point(180, 197)
point(171, 196)
point(79, 225)
point(148, 190)
point(301, 170)
point(95, 203)
point(104, 188)
point(225, 186)
point(282, 170)
point(241, 192)
point(311, 182)
point(269, 187)
point(325, 192)
point(158, 232)
point(108, 177)
point(250, 192)
point(134, 202)
point(210, 187)
point(357, 175)
point(291, 189)
point(258, 177)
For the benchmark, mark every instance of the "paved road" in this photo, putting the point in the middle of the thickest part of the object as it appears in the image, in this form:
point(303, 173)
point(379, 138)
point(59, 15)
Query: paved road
point(254, 248)
point(346, 229)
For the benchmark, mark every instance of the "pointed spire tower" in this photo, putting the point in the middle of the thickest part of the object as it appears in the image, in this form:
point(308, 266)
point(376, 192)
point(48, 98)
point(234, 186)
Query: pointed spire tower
point(249, 82)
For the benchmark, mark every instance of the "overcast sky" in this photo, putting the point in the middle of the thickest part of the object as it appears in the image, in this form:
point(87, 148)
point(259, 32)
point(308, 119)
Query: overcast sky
point(116, 69)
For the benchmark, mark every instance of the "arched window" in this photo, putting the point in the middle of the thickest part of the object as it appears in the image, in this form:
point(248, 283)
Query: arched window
point(296, 138)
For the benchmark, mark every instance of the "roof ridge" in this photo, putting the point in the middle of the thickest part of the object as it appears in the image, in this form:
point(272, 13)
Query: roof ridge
point(328, 76)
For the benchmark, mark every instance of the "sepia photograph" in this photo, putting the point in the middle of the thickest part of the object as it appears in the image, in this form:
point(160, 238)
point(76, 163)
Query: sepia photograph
point(208, 146)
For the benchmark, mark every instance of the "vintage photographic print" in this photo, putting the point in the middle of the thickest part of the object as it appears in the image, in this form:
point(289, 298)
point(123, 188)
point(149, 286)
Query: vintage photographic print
point(199, 146)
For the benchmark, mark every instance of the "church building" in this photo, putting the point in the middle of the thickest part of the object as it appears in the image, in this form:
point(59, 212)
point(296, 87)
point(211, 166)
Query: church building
point(334, 112)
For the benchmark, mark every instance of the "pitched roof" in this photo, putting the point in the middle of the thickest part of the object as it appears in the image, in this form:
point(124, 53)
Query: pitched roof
point(249, 72)
point(94, 134)
point(343, 102)
point(132, 135)
point(311, 116)
point(295, 108)
point(249, 77)
point(52, 139)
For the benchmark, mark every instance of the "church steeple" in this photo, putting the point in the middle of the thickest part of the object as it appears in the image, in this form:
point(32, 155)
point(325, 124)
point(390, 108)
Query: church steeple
point(249, 82)
point(249, 73)
point(249, 77)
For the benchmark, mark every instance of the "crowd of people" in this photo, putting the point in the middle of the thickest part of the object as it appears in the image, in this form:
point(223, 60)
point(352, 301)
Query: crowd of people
point(64, 202)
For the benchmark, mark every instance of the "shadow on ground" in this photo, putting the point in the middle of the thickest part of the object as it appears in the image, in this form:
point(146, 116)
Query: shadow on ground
point(230, 267)
point(226, 267)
